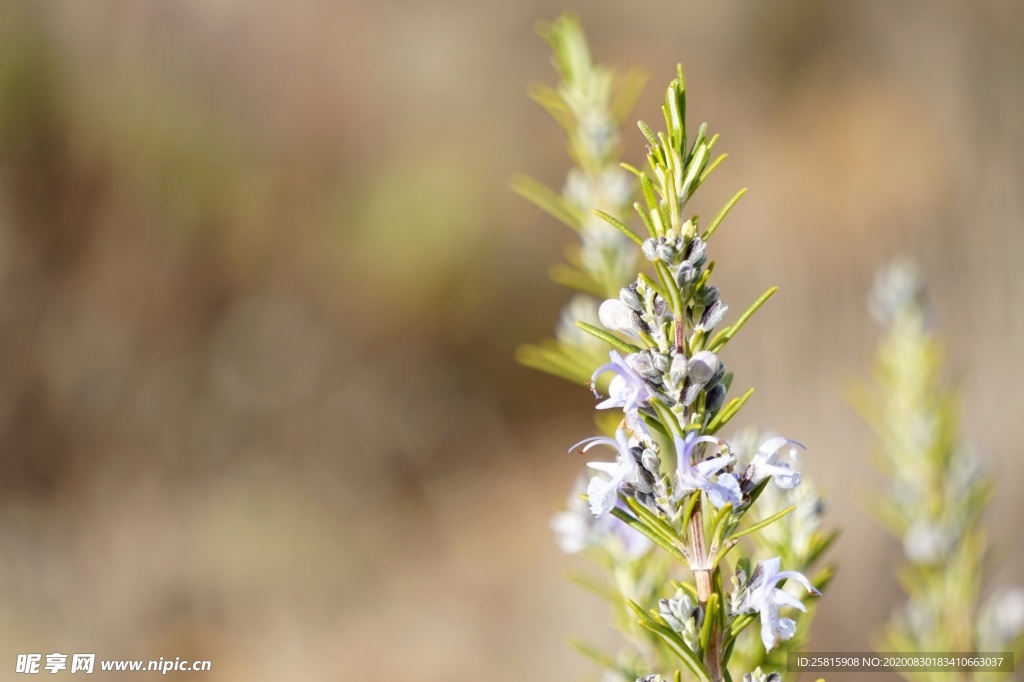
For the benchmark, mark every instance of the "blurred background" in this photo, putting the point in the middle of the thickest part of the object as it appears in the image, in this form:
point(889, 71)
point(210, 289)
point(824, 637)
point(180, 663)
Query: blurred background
point(261, 282)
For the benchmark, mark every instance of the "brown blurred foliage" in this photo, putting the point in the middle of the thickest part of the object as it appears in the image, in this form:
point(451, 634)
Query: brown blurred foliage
point(261, 280)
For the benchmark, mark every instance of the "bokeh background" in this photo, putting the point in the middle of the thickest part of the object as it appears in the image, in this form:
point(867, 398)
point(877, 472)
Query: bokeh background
point(261, 282)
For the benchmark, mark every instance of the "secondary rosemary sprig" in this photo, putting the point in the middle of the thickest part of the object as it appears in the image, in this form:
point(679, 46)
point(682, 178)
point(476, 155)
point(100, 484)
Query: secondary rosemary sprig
point(937, 489)
point(590, 103)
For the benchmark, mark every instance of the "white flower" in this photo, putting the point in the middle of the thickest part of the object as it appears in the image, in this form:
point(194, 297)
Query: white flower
point(602, 492)
point(691, 477)
point(762, 596)
point(616, 315)
point(767, 463)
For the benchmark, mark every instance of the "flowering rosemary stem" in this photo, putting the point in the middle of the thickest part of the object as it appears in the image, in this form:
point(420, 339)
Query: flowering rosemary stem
point(674, 484)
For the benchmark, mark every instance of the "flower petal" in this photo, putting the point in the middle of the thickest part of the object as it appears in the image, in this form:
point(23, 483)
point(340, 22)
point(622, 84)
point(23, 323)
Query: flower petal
point(797, 576)
point(702, 367)
point(712, 466)
point(616, 315)
point(602, 494)
point(591, 442)
point(783, 598)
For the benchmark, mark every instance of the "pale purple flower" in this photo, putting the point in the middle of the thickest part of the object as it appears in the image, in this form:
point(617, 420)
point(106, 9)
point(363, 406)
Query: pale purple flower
point(603, 492)
point(691, 477)
point(767, 463)
point(628, 389)
point(763, 596)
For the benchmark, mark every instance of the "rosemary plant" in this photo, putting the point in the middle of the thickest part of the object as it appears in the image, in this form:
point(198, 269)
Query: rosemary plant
point(679, 507)
point(936, 491)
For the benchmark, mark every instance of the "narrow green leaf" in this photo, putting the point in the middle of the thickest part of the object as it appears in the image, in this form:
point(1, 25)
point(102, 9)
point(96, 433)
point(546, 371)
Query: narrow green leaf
point(725, 549)
point(620, 226)
point(664, 146)
point(608, 338)
point(647, 187)
point(729, 411)
point(699, 139)
point(673, 119)
point(648, 133)
point(710, 615)
point(640, 612)
point(719, 523)
point(681, 97)
point(667, 416)
point(643, 277)
point(693, 169)
point(725, 335)
point(740, 624)
point(653, 521)
point(655, 424)
point(666, 219)
point(631, 168)
point(654, 536)
point(670, 287)
point(547, 200)
point(762, 523)
point(691, 502)
point(712, 166)
point(646, 218)
point(721, 214)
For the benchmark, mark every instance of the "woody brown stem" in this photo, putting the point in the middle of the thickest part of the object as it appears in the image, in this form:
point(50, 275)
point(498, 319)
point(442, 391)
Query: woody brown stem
point(703, 576)
point(680, 328)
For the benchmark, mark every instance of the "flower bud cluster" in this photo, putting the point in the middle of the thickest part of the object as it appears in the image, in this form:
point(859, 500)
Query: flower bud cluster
point(683, 616)
point(642, 314)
